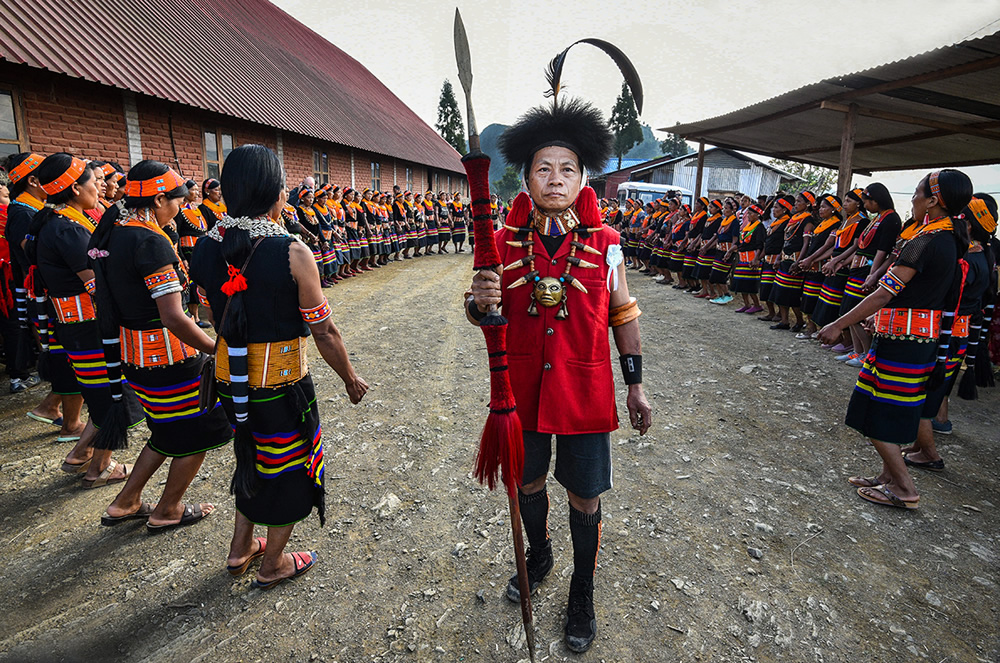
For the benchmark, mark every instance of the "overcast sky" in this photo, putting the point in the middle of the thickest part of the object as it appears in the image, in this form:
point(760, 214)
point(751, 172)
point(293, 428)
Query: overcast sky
point(697, 59)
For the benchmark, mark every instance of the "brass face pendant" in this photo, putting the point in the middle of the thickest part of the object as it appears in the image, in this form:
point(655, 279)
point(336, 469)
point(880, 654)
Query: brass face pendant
point(548, 292)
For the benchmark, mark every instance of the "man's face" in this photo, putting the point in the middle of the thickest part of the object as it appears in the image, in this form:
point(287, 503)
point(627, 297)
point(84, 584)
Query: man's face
point(554, 179)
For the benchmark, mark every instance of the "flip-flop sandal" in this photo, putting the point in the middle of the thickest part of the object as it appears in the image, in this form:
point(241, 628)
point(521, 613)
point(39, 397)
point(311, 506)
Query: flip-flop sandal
point(303, 562)
point(870, 494)
point(76, 468)
point(932, 465)
point(68, 438)
point(57, 422)
point(192, 514)
point(104, 478)
point(237, 571)
point(864, 482)
point(142, 513)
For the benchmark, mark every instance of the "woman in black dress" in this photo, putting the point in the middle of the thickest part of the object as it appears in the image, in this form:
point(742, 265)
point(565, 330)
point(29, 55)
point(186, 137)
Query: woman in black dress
point(57, 247)
point(262, 376)
point(913, 306)
point(787, 291)
point(141, 281)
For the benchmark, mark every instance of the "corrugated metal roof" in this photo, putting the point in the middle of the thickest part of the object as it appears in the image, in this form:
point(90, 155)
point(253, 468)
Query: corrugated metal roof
point(953, 85)
point(243, 58)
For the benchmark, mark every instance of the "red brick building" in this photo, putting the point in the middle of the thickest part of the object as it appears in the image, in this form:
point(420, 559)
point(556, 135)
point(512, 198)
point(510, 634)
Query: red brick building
point(185, 83)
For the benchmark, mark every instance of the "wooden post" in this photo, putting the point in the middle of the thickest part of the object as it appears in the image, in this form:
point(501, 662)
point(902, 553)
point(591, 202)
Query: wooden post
point(701, 169)
point(847, 150)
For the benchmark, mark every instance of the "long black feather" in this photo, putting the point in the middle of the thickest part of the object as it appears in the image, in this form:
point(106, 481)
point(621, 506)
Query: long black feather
point(553, 73)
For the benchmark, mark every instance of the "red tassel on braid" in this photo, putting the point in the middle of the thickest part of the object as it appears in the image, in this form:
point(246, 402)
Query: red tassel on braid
point(587, 210)
point(236, 283)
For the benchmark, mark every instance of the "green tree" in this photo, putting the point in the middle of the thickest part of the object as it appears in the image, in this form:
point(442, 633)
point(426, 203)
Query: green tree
point(625, 124)
point(449, 123)
point(674, 146)
point(509, 185)
point(814, 178)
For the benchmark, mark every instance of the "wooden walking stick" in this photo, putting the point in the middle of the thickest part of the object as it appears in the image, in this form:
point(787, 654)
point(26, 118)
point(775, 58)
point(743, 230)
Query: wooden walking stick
point(501, 448)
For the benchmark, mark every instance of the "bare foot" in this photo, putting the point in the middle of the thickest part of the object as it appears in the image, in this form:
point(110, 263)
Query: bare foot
point(118, 474)
point(116, 510)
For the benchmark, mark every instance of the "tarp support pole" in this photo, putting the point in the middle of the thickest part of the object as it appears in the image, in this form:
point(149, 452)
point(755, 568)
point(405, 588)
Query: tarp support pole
point(701, 169)
point(847, 150)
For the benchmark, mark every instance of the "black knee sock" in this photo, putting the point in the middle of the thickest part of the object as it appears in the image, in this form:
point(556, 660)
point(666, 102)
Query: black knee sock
point(586, 531)
point(535, 517)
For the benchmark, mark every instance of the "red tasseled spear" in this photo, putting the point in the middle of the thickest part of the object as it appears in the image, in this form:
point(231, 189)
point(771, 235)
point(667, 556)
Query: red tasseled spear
point(501, 448)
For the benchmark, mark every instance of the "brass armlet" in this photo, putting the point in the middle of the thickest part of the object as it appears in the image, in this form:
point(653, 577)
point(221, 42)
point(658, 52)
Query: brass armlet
point(624, 314)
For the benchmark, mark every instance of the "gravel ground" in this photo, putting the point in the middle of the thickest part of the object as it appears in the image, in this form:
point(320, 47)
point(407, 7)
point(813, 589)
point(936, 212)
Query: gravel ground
point(730, 535)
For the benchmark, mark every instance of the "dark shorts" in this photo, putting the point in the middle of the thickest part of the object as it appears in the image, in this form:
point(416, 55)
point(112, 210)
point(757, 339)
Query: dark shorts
point(583, 462)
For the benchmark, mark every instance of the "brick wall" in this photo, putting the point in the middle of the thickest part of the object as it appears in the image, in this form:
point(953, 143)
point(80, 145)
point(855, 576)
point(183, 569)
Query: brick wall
point(62, 114)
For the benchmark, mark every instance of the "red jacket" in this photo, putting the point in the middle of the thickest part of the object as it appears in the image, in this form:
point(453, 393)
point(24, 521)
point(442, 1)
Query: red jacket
point(560, 370)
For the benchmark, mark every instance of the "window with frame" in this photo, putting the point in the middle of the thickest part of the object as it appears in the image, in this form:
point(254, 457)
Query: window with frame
point(321, 167)
point(12, 138)
point(218, 145)
point(409, 179)
point(376, 176)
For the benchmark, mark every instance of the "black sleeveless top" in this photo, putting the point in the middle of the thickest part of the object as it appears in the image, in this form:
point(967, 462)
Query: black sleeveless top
point(271, 299)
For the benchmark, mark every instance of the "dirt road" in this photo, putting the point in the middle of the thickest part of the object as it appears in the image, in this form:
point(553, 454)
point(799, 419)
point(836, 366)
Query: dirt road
point(730, 535)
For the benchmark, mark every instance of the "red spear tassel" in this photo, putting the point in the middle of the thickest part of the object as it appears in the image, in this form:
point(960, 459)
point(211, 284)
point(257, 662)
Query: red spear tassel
point(501, 448)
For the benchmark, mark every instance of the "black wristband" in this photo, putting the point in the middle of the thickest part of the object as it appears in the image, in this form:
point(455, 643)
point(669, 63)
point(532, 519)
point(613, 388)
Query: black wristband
point(474, 311)
point(631, 368)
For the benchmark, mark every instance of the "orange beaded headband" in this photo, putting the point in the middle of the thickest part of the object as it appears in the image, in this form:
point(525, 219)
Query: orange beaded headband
point(168, 181)
point(61, 183)
point(784, 203)
point(833, 202)
point(983, 216)
point(935, 186)
point(809, 196)
point(25, 167)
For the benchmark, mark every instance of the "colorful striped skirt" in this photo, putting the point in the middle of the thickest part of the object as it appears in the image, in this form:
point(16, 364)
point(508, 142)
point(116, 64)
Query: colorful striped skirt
point(767, 274)
point(703, 266)
point(458, 234)
point(956, 355)
point(169, 397)
point(289, 453)
point(831, 295)
point(746, 278)
point(812, 283)
point(854, 294)
point(720, 268)
point(675, 260)
point(889, 395)
point(690, 265)
point(787, 289)
point(82, 342)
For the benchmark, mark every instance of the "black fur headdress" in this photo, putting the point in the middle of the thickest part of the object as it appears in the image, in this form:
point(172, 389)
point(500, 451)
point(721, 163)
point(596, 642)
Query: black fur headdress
point(574, 124)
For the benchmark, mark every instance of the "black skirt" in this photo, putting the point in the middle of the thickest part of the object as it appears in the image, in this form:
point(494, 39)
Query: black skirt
point(889, 395)
point(82, 341)
point(831, 295)
point(787, 290)
point(169, 396)
point(286, 431)
point(812, 283)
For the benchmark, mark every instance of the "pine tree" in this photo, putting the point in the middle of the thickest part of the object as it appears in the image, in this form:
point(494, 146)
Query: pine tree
point(509, 185)
point(449, 123)
point(674, 146)
point(625, 124)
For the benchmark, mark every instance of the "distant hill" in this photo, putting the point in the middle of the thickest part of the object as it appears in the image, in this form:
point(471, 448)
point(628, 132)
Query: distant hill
point(488, 138)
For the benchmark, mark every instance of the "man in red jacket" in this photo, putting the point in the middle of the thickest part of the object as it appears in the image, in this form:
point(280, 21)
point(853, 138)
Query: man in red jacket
point(563, 285)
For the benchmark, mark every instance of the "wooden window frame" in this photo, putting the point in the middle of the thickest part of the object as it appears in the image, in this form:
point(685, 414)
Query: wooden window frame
point(219, 151)
point(321, 176)
point(409, 179)
point(376, 176)
point(20, 126)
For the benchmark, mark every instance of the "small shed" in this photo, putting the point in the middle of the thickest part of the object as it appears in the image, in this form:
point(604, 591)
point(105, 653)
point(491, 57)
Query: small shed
point(726, 172)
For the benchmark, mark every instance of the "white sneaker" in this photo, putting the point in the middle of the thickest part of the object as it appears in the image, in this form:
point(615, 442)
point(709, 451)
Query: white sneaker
point(660, 277)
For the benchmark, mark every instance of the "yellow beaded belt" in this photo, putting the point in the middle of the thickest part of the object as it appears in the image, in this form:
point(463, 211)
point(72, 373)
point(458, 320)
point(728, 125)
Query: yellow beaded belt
point(271, 365)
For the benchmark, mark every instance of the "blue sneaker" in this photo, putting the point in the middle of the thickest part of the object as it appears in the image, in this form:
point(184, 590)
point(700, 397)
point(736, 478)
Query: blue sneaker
point(944, 429)
point(854, 363)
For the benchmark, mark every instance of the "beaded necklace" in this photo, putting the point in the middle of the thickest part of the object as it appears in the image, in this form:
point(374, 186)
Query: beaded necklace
point(549, 291)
